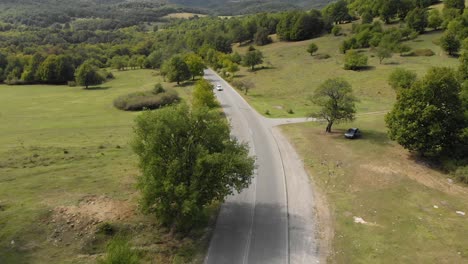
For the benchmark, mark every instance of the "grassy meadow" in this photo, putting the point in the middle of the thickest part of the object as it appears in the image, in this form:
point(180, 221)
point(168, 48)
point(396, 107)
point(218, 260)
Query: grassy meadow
point(408, 209)
point(66, 167)
point(296, 74)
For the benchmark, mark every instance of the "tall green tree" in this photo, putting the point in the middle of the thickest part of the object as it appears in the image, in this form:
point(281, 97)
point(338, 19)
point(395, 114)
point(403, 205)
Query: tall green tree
point(427, 118)
point(56, 69)
point(337, 102)
point(155, 59)
point(450, 43)
point(87, 74)
point(176, 70)
point(188, 160)
point(252, 58)
point(417, 19)
point(195, 64)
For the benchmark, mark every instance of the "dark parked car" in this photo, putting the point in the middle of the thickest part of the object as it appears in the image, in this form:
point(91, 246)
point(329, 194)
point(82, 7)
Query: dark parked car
point(353, 133)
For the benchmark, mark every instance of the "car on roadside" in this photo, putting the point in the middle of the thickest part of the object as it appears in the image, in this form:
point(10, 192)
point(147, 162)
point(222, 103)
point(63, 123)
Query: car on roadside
point(353, 133)
point(219, 87)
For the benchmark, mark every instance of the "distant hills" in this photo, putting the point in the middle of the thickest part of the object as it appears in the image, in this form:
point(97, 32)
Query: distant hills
point(122, 13)
point(235, 7)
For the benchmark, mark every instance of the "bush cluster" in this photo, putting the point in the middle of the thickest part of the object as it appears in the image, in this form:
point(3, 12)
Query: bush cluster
point(146, 100)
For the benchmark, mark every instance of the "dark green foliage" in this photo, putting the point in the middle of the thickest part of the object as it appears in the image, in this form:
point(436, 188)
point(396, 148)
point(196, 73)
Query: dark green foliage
point(88, 74)
point(188, 160)
point(354, 60)
point(427, 118)
point(402, 79)
point(417, 19)
point(146, 100)
point(367, 17)
point(56, 70)
point(456, 4)
point(337, 12)
point(176, 70)
point(463, 68)
point(262, 37)
point(337, 102)
point(449, 42)
point(252, 58)
point(119, 251)
point(295, 26)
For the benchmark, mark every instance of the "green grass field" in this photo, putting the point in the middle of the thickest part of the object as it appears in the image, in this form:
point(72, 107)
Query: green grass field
point(60, 147)
point(375, 179)
point(296, 74)
point(372, 178)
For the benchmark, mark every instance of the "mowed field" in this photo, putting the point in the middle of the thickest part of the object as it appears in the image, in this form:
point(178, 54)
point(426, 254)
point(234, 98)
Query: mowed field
point(67, 170)
point(376, 202)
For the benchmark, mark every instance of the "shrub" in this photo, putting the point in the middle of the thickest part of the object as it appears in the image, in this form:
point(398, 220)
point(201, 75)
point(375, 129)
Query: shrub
point(106, 229)
point(336, 30)
point(158, 88)
point(461, 174)
point(146, 100)
point(118, 251)
point(354, 60)
point(421, 53)
point(71, 83)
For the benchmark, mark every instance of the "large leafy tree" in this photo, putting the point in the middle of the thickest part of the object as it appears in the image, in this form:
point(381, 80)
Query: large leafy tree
point(450, 43)
point(417, 19)
point(252, 58)
point(176, 70)
point(337, 102)
point(428, 117)
point(87, 74)
point(195, 64)
point(188, 160)
point(56, 69)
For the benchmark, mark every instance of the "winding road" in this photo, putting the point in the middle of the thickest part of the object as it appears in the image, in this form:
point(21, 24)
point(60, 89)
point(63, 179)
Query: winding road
point(273, 220)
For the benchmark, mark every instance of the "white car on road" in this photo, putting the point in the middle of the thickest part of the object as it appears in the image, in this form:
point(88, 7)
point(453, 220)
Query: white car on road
point(219, 87)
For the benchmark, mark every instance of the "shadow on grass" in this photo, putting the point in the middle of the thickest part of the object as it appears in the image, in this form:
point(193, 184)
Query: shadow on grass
point(96, 88)
point(186, 83)
point(371, 136)
point(364, 68)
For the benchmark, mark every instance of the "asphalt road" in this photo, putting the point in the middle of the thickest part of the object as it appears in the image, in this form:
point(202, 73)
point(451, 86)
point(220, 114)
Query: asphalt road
point(273, 220)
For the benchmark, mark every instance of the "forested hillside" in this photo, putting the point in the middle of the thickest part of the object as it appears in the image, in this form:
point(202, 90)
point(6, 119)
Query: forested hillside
point(229, 7)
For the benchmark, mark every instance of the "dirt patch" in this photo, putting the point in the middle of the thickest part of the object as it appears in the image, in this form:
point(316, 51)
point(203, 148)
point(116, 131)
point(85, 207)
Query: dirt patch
point(83, 221)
